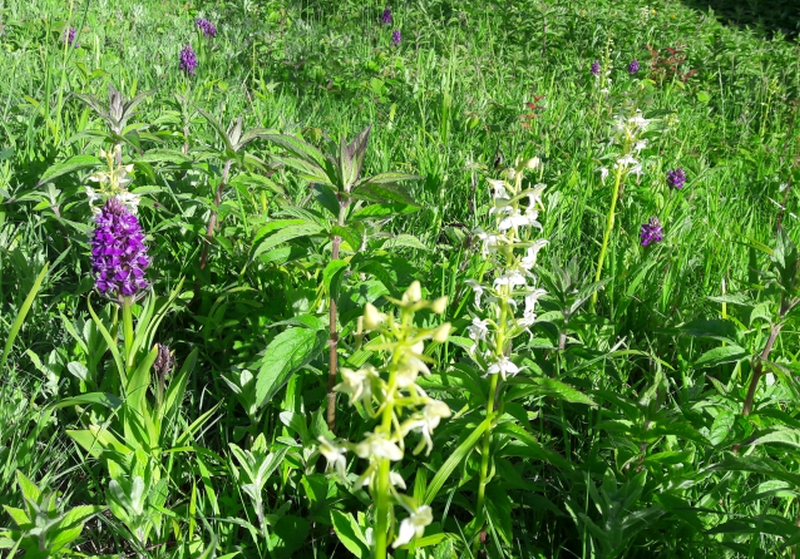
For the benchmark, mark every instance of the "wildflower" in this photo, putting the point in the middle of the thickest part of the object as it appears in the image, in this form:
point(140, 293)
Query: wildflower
point(386, 18)
point(478, 330)
point(164, 361)
point(651, 232)
point(504, 366)
point(119, 255)
point(358, 384)
point(396, 37)
point(595, 68)
point(676, 177)
point(478, 289)
point(188, 60)
point(432, 414)
point(414, 525)
point(376, 446)
point(69, 37)
point(334, 455)
point(633, 67)
point(206, 27)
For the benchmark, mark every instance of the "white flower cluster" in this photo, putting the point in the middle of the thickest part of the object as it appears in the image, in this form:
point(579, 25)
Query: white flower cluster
point(396, 399)
point(628, 132)
point(112, 182)
point(513, 250)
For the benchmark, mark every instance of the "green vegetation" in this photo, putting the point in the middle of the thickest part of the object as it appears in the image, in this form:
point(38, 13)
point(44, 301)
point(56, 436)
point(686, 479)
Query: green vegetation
point(456, 279)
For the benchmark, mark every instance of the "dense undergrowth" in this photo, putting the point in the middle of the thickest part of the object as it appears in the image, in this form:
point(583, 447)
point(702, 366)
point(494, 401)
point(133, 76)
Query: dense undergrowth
point(438, 279)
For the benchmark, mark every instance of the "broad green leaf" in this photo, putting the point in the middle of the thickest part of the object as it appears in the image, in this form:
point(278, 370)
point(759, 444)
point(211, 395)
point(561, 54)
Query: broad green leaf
point(298, 148)
point(289, 351)
point(30, 492)
point(105, 399)
point(384, 210)
point(291, 232)
point(74, 163)
point(721, 428)
point(552, 387)
point(723, 330)
point(307, 170)
point(403, 240)
point(221, 132)
point(19, 516)
point(350, 534)
point(163, 155)
point(790, 437)
point(352, 157)
point(379, 192)
point(332, 277)
point(720, 355)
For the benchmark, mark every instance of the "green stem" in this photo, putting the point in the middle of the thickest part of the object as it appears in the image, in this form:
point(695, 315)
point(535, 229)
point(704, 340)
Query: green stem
point(607, 234)
point(127, 331)
point(382, 497)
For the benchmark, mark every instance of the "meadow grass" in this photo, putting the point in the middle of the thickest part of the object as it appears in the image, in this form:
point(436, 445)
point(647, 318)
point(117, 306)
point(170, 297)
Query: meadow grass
point(654, 411)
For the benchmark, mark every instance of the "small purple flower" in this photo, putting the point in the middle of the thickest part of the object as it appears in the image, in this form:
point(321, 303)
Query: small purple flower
point(188, 60)
point(396, 38)
point(386, 18)
point(206, 27)
point(633, 67)
point(119, 255)
point(651, 232)
point(595, 68)
point(69, 36)
point(676, 178)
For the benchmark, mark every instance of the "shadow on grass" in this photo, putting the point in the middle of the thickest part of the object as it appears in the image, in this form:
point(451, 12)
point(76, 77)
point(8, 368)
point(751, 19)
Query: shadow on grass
point(767, 17)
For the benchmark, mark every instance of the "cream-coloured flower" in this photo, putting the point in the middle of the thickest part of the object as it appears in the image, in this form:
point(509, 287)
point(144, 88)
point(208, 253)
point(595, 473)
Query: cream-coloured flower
point(373, 318)
point(478, 289)
point(334, 455)
point(413, 294)
point(358, 384)
point(432, 414)
point(414, 525)
point(504, 366)
point(378, 446)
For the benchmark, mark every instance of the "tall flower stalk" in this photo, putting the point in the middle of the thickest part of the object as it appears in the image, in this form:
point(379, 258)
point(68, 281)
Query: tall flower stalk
point(628, 132)
point(390, 394)
point(512, 250)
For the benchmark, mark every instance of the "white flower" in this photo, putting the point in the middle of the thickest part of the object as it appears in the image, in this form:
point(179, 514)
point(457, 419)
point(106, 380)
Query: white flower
point(478, 289)
point(504, 366)
point(377, 446)
point(414, 525)
point(490, 243)
point(432, 414)
point(478, 330)
point(640, 145)
point(529, 260)
point(529, 317)
point(334, 455)
point(498, 189)
point(515, 220)
point(629, 162)
point(372, 317)
point(411, 365)
point(603, 173)
point(413, 294)
point(511, 279)
point(358, 384)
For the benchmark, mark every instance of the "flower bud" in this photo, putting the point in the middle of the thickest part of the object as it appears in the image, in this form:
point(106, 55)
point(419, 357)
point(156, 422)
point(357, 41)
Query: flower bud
point(441, 333)
point(439, 305)
point(372, 317)
point(413, 294)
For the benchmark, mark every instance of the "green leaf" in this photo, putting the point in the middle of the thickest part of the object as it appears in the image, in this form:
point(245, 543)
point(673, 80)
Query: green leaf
point(221, 132)
point(721, 428)
point(720, 355)
point(790, 437)
point(20, 318)
point(457, 457)
point(291, 232)
point(326, 197)
point(297, 148)
point(161, 155)
point(74, 163)
point(352, 157)
point(723, 330)
point(288, 352)
point(350, 534)
point(308, 171)
point(332, 277)
point(352, 238)
point(105, 399)
point(403, 241)
point(552, 387)
point(379, 192)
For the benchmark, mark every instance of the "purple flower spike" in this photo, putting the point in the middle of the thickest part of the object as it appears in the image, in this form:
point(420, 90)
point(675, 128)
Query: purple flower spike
point(119, 255)
point(396, 38)
point(595, 68)
point(207, 27)
point(69, 36)
point(633, 67)
point(188, 60)
point(676, 178)
point(651, 232)
point(386, 18)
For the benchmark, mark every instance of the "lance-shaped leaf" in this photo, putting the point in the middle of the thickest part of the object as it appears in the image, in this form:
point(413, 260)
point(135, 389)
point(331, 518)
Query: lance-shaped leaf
point(351, 158)
point(75, 163)
point(307, 169)
point(250, 135)
point(298, 148)
point(221, 132)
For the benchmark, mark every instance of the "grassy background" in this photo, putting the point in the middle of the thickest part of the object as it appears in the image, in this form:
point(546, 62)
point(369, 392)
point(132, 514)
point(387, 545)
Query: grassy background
point(447, 104)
